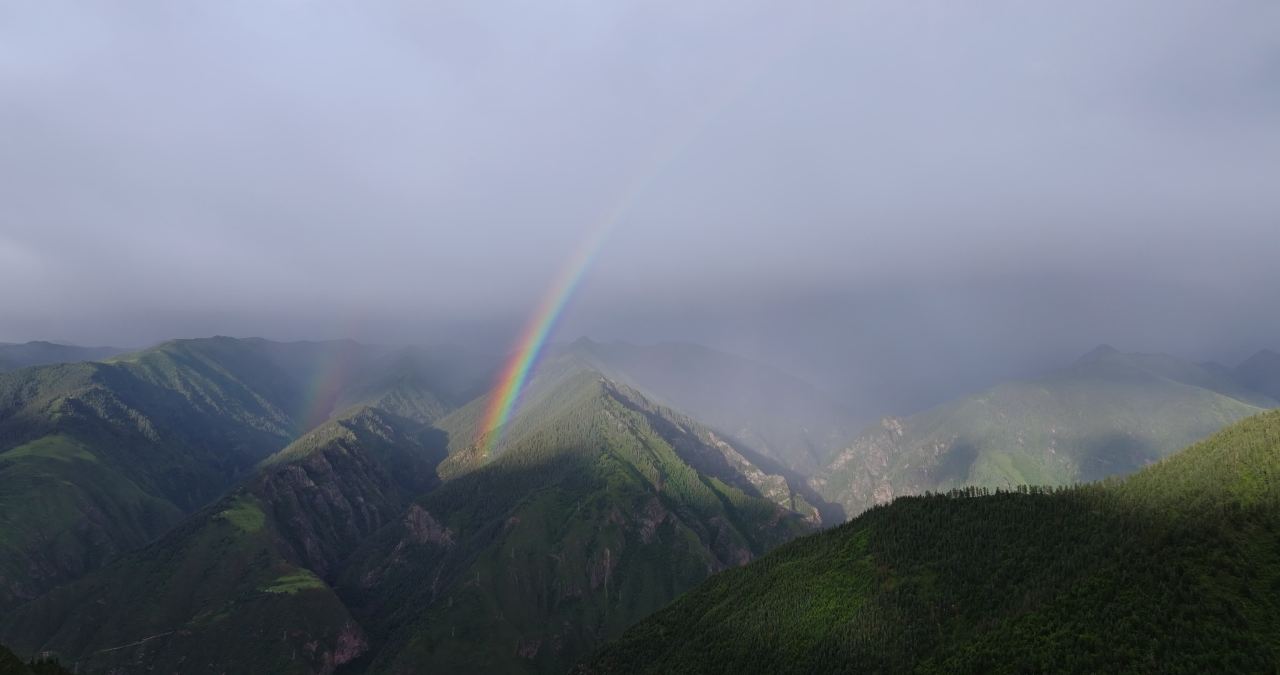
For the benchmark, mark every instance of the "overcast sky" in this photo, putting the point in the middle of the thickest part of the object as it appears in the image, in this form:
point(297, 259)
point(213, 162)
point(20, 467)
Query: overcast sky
point(890, 186)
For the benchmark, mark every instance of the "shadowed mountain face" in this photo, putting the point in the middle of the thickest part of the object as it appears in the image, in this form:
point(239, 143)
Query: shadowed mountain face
point(1108, 414)
point(99, 458)
point(1172, 570)
point(597, 508)
point(777, 415)
point(15, 356)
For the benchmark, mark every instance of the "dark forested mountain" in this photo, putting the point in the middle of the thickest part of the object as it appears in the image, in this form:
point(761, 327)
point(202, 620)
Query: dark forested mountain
point(1108, 414)
point(99, 458)
point(38, 353)
point(597, 508)
point(775, 414)
point(10, 664)
point(1172, 570)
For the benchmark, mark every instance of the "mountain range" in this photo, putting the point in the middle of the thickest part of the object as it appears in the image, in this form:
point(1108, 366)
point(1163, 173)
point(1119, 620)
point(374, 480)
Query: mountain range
point(343, 546)
point(97, 458)
point(242, 505)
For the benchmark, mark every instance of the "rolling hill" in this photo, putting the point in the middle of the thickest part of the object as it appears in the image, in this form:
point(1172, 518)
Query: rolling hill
point(1172, 570)
point(1108, 414)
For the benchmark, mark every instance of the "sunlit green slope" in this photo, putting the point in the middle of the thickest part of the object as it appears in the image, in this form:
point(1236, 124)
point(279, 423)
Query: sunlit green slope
point(778, 415)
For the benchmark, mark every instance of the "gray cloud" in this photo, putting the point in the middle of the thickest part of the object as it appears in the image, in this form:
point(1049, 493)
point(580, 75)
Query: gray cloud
point(405, 170)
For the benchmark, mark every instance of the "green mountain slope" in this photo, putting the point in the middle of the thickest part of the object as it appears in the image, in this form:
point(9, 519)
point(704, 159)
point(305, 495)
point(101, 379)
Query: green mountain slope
point(776, 414)
point(1173, 570)
point(1108, 414)
point(241, 586)
point(591, 515)
point(725, 458)
point(38, 353)
point(99, 458)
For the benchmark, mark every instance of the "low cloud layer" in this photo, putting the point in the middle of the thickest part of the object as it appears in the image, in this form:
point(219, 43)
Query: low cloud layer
point(814, 183)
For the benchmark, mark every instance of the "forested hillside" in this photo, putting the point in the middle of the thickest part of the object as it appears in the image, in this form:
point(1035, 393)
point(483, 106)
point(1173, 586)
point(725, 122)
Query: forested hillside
point(1173, 570)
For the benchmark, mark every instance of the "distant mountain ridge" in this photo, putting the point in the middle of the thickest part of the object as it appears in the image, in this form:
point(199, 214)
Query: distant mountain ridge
point(1109, 413)
point(39, 353)
point(1261, 372)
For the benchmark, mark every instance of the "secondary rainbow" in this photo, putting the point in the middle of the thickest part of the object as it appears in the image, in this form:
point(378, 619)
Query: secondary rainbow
point(331, 371)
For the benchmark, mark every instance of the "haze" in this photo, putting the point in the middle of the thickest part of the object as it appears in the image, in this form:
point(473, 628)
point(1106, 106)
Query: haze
point(881, 196)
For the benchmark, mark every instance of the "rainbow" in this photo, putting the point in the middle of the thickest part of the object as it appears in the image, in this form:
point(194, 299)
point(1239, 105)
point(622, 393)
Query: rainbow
point(326, 382)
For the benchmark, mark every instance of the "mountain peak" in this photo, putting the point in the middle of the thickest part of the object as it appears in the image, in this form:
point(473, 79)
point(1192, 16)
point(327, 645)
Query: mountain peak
point(1262, 356)
point(1099, 353)
point(1261, 373)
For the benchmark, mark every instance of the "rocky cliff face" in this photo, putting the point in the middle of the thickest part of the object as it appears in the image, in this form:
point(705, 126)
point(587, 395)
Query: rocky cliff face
point(325, 504)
